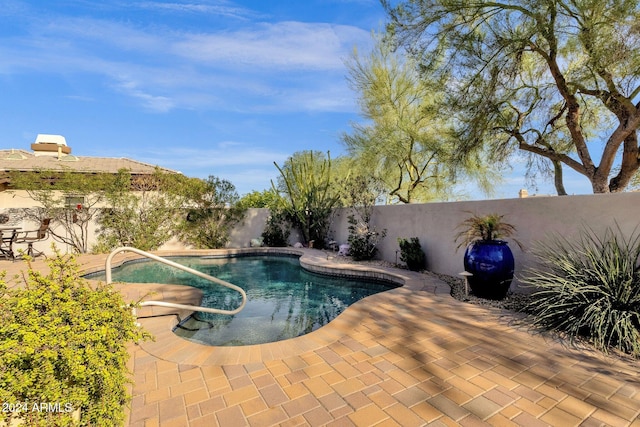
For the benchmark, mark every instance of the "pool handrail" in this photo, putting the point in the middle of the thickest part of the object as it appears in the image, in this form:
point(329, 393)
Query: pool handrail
point(107, 270)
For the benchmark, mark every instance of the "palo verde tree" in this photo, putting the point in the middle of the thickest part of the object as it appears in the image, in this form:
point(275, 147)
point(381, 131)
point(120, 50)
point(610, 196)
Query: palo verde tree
point(308, 193)
point(406, 144)
point(69, 199)
point(557, 79)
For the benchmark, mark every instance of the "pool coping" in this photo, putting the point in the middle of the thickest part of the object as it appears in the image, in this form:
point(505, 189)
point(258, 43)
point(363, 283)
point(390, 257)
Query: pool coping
point(172, 348)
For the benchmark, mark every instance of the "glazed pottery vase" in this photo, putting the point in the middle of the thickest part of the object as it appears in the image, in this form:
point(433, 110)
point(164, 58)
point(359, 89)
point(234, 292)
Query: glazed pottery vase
point(491, 263)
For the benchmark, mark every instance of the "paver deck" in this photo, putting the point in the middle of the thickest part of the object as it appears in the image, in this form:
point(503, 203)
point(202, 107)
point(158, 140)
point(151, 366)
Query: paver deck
point(407, 357)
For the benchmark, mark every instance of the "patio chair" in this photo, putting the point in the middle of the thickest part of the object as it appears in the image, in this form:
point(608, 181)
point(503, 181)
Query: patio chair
point(32, 236)
point(6, 243)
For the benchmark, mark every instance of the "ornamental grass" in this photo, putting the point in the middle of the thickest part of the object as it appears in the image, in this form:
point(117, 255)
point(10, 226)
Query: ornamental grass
point(589, 288)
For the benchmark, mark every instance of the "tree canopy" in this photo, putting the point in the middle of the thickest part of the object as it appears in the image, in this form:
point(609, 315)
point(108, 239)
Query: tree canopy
point(406, 143)
point(557, 79)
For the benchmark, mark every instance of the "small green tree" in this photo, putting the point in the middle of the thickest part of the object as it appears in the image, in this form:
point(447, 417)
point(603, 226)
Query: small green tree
point(64, 341)
point(141, 211)
point(213, 209)
point(306, 185)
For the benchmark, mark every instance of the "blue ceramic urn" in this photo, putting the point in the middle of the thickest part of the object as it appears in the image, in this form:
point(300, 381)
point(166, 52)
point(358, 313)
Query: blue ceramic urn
point(491, 263)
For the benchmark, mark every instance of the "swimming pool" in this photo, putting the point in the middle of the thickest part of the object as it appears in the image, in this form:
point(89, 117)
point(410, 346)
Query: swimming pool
point(283, 300)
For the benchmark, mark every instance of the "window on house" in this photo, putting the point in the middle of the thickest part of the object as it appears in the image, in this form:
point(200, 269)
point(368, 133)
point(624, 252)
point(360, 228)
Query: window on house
point(72, 202)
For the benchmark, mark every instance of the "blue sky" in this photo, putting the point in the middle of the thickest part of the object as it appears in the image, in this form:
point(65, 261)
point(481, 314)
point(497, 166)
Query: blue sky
point(206, 87)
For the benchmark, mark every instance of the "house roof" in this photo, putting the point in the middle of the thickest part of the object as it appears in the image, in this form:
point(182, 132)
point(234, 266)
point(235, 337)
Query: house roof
point(21, 160)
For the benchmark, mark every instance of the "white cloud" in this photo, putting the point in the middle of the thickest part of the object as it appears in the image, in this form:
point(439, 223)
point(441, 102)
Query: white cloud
point(220, 8)
point(225, 154)
point(260, 67)
point(160, 104)
point(284, 45)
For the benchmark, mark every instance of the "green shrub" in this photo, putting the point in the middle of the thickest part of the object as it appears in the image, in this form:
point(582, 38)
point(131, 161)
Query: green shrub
point(65, 342)
point(139, 211)
point(277, 230)
point(589, 288)
point(212, 214)
point(411, 253)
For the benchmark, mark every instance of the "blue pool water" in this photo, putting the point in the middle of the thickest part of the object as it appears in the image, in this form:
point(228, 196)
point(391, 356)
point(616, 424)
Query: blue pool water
point(283, 300)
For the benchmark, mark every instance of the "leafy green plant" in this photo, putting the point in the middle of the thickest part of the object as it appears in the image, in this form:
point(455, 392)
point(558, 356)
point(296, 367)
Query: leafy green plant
point(306, 185)
point(589, 288)
point(260, 199)
point(64, 341)
point(140, 211)
point(214, 210)
point(411, 253)
point(483, 227)
point(68, 198)
point(277, 229)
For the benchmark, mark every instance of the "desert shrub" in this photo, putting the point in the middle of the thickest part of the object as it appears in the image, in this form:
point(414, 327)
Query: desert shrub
point(363, 238)
point(212, 214)
point(589, 288)
point(361, 193)
point(411, 253)
point(64, 342)
point(277, 229)
point(140, 211)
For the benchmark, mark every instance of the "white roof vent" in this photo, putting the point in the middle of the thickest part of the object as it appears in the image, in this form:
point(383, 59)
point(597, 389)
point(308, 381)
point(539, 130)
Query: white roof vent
point(50, 139)
point(50, 145)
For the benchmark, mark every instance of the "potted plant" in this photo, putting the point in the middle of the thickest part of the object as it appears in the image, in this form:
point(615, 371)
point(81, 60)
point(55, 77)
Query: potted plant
point(487, 256)
point(412, 254)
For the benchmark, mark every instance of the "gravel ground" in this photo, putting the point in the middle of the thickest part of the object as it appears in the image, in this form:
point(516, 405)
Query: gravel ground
point(513, 301)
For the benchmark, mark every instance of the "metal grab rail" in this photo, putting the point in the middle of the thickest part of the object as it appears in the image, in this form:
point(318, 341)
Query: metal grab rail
point(107, 269)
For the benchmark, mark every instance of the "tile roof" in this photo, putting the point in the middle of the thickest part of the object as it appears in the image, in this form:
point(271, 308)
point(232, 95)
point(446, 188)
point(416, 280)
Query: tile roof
point(21, 160)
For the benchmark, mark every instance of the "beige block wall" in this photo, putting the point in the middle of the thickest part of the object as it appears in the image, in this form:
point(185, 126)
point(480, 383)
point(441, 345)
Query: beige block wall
point(534, 218)
point(250, 227)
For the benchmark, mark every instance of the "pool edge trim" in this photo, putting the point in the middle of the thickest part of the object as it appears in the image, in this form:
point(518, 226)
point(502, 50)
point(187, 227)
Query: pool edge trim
point(168, 346)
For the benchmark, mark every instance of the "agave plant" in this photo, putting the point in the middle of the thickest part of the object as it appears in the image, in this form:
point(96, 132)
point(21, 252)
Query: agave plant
point(483, 227)
point(589, 288)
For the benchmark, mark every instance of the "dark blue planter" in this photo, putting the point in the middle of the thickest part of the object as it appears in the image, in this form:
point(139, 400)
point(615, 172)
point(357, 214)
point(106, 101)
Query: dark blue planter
point(492, 264)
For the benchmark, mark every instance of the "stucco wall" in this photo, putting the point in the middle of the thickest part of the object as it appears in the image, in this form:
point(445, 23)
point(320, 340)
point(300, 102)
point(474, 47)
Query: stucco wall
point(250, 227)
point(534, 218)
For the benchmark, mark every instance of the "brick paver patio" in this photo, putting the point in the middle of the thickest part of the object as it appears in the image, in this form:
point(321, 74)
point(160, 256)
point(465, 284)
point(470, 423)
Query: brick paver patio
point(408, 357)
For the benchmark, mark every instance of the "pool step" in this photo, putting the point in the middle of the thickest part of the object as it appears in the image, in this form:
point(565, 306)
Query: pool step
point(161, 292)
